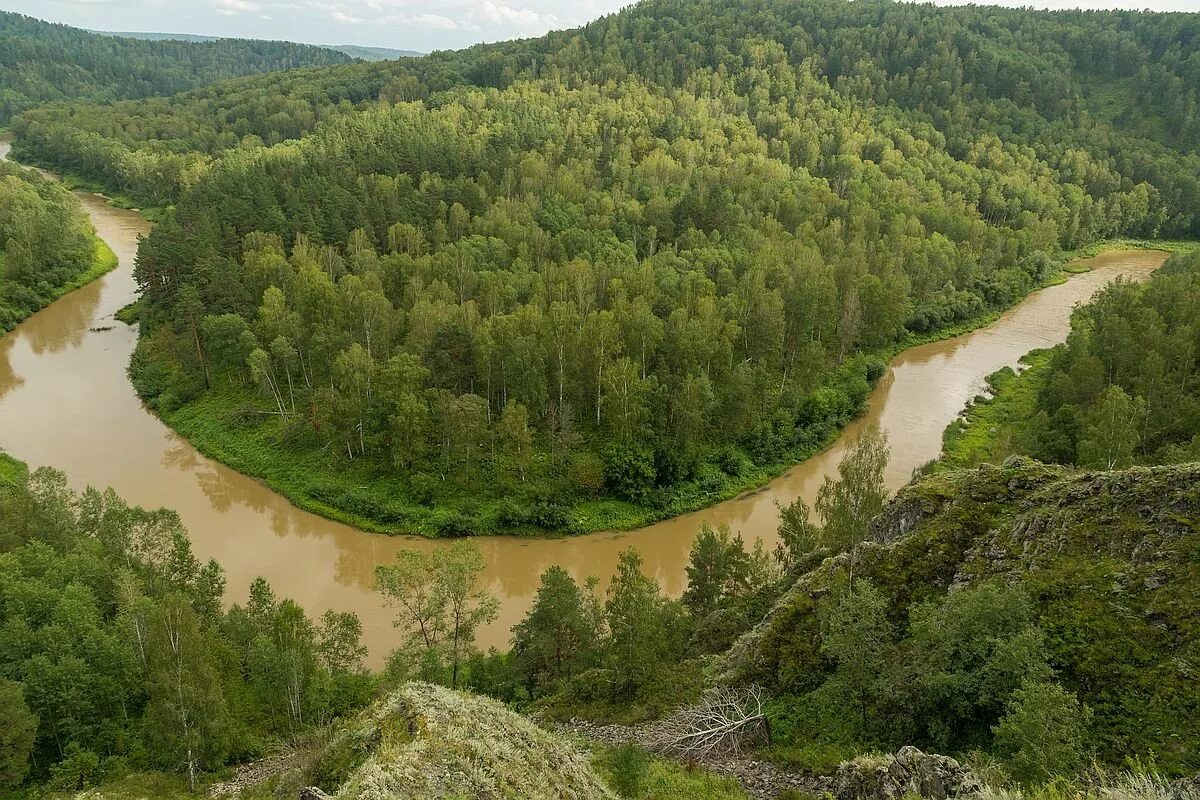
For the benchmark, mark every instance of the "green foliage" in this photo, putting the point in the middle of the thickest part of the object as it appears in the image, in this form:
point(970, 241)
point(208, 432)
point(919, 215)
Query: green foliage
point(44, 62)
point(440, 602)
point(849, 502)
point(635, 774)
point(969, 654)
point(560, 634)
point(1044, 733)
point(858, 638)
point(644, 629)
point(1114, 395)
point(115, 635)
point(1082, 581)
point(47, 245)
point(703, 307)
point(627, 766)
point(17, 728)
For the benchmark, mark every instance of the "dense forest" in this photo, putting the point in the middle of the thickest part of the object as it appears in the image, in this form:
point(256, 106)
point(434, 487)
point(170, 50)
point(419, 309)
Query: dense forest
point(971, 616)
point(1107, 100)
point(116, 653)
point(47, 245)
point(603, 291)
point(1123, 390)
point(42, 62)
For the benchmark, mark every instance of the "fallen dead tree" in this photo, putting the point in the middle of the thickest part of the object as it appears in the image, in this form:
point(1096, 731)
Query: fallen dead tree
point(727, 722)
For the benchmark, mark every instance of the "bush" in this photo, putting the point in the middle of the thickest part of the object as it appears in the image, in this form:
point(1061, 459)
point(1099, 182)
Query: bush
point(585, 470)
point(1043, 733)
point(733, 461)
point(629, 471)
point(628, 766)
point(78, 769)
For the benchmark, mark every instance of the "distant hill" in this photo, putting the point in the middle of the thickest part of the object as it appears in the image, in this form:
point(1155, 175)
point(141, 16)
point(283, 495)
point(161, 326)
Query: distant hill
point(360, 52)
point(373, 53)
point(43, 62)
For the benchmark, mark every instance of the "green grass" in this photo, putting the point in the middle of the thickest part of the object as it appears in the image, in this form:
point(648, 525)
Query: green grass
point(11, 470)
point(77, 182)
point(982, 434)
point(135, 786)
point(1108, 245)
point(660, 779)
point(359, 495)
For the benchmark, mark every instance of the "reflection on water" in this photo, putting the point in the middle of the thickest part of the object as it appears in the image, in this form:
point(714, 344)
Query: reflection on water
point(65, 401)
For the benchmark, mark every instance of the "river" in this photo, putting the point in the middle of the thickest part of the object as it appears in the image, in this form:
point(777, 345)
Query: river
point(65, 402)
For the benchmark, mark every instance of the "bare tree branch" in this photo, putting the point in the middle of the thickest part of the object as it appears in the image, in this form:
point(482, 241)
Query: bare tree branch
point(726, 722)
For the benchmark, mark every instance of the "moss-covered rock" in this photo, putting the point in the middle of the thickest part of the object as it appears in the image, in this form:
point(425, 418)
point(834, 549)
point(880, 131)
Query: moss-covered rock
point(426, 741)
point(1111, 561)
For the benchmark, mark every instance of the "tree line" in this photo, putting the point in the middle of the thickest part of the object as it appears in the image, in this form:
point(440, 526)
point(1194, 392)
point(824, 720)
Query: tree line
point(1106, 101)
point(116, 653)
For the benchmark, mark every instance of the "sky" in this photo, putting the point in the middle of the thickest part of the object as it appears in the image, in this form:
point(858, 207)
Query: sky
point(422, 25)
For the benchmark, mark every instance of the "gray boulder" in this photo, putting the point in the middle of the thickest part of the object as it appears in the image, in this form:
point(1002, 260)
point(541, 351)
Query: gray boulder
point(909, 772)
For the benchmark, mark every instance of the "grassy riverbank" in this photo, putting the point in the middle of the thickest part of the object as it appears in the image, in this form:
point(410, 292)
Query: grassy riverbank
point(104, 260)
point(292, 462)
point(995, 426)
point(983, 433)
point(11, 470)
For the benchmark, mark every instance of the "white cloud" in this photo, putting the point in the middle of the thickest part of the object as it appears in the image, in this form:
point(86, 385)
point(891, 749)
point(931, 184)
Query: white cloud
point(505, 15)
point(230, 7)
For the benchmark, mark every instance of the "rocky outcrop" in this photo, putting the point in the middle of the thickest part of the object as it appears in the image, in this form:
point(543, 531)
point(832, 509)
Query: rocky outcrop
point(1114, 554)
point(425, 742)
point(908, 773)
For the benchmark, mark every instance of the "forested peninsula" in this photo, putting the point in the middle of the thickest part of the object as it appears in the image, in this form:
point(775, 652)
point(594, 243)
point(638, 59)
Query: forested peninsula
point(47, 244)
point(616, 273)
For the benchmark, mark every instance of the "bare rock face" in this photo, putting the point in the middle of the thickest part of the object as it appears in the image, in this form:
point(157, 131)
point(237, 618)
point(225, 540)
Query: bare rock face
point(313, 793)
point(909, 772)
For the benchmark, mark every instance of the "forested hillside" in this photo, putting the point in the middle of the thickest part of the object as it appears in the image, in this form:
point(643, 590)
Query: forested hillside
point(1107, 100)
point(983, 601)
point(1123, 390)
point(47, 245)
point(647, 265)
point(42, 62)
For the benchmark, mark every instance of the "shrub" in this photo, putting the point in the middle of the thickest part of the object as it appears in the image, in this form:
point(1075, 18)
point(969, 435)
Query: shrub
point(628, 766)
point(585, 470)
point(1043, 733)
point(629, 471)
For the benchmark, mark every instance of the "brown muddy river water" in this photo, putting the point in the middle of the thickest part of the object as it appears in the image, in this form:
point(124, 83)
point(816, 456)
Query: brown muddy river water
point(65, 402)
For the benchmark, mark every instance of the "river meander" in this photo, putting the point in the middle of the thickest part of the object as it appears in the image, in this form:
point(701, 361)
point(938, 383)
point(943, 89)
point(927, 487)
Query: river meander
point(65, 401)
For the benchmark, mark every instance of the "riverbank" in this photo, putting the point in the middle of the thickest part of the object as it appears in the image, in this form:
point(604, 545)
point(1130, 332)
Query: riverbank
point(268, 449)
point(46, 272)
point(104, 261)
point(11, 470)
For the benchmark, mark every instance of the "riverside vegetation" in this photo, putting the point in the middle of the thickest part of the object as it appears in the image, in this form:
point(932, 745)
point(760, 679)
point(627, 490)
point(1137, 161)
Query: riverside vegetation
point(47, 244)
point(609, 275)
point(1035, 621)
point(1123, 390)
